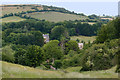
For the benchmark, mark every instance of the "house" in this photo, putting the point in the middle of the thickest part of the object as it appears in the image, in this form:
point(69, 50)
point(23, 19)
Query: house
point(46, 38)
point(80, 45)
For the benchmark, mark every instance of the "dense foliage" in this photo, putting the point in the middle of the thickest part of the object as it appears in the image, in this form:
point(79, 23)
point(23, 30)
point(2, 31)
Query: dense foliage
point(28, 47)
point(109, 31)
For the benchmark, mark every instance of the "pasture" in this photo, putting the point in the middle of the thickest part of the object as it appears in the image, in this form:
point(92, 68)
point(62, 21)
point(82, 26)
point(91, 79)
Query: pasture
point(7, 9)
point(84, 38)
point(55, 16)
point(11, 19)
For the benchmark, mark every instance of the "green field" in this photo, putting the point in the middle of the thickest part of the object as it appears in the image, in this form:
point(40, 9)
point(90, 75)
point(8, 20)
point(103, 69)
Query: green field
point(55, 16)
point(84, 38)
point(7, 9)
point(12, 19)
point(17, 71)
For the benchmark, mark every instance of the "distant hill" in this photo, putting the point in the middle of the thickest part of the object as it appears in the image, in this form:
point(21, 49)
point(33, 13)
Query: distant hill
point(12, 19)
point(55, 16)
point(6, 9)
point(49, 13)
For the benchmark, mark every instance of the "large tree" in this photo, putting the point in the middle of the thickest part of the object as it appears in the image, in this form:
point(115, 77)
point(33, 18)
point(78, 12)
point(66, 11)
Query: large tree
point(58, 32)
point(52, 50)
point(71, 45)
point(109, 31)
point(34, 56)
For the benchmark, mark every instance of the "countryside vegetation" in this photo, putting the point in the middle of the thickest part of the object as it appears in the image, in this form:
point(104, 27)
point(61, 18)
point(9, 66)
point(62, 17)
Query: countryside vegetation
point(25, 53)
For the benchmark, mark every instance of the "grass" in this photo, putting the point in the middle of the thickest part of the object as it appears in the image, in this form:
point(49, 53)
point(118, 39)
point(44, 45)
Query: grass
point(15, 9)
point(12, 19)
point(73, 69)
point(18, 71)
point(84, 38)
point(55, 16)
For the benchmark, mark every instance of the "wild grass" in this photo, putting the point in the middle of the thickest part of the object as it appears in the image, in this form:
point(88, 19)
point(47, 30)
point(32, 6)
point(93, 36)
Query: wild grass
point(55, 16)
point(11, 19)
point(18, 71)
point(84, 38)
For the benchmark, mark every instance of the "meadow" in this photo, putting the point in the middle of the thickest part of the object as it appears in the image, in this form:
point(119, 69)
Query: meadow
point(12, 19)
point(7, 9)
point(18, 71)
point(55, 16)
point(84, 38)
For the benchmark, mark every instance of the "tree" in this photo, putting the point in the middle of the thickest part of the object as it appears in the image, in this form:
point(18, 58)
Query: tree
point(52, 50)
point(32, 38)
point(94, 57)
point(20, 56)
point(8, 54)
point(71, 45)
point(34, 56)
point(109, 31)
point(37, 38)
point(57, 32)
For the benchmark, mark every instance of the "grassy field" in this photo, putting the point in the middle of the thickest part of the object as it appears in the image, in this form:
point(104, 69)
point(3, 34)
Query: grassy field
point(84, 38)
point(17, 71)
point(55, 16)
point(12, 19)
point(7, 9)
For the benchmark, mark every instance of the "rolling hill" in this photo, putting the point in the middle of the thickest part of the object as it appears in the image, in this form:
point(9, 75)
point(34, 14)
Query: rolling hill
point(12, 19)
point(49, 13)
point(56, 16)
point(43, 12)
point(7, 9)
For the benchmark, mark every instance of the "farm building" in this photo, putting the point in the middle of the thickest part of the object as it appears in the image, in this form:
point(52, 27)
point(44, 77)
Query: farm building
point(80, 45)
point(46, 38)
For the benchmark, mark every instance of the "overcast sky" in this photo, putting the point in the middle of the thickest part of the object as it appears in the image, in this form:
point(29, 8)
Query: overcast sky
point(88, 7)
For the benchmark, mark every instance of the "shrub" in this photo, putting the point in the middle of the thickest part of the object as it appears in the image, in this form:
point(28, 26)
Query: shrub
point(7, 54)
point(20, 56)
point(65, 63)
point(57, 64)
point(97, 57)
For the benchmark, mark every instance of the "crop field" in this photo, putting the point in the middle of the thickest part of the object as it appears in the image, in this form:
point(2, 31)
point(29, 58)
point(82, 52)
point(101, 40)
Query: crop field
point(18, 71)
point(55, 16)
point(84, 38)
point(12, 19)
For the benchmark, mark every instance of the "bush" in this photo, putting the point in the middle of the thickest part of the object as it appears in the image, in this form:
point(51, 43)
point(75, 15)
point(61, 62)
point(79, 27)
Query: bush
point(20, 56)
point(7, 54)
point(97, 57)
point(57, 64)
point(65, 63)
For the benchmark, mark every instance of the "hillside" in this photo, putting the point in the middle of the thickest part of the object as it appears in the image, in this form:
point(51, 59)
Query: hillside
point(12, 19)
point(55, 16)
point(17, 71)
point(49, 13)
point(7, 9)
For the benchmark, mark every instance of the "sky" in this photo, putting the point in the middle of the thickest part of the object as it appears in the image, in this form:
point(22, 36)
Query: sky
point(88, 7)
